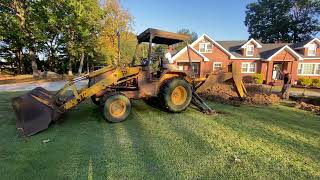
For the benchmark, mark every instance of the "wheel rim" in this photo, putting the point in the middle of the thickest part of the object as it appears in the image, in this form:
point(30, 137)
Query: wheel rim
point(117, 108)
point(179, 95)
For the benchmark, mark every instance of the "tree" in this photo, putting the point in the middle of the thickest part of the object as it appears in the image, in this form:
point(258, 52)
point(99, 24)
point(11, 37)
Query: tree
point(12, 38)
point(65, 34)
point(194, 36)
point(283, 20)
point(116, 20)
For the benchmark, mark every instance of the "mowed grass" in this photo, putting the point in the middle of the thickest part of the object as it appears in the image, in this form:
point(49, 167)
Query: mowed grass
point(244, 142)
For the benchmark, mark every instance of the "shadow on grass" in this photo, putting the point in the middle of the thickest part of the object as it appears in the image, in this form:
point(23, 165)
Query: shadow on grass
point(142, 146)
point(257, 130)
point(284, 118)
point(259, 160)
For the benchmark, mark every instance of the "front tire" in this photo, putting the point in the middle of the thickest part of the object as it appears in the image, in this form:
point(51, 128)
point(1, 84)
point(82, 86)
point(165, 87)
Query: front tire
point(176, 94)
point(117, 107)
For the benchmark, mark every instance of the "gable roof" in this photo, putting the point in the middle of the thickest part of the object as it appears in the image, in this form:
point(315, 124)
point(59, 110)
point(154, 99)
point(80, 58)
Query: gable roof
point(197, 52)
point(197, 41)
point(315, 39)
point(286, 47)
point(304, 44)
point(234, 46)
point(251, 41)
point(266, 52)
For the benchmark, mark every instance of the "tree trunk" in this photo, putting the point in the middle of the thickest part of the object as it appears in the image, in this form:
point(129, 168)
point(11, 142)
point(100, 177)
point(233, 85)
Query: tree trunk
point(81, 63)
point(70, 68)
point(34, 65)
point(20, 62)
point(88, 69)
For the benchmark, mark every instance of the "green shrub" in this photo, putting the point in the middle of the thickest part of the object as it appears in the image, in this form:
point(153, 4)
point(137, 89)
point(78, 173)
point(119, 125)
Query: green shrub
point(305, 81)
point(258, 78)
point(316, 83)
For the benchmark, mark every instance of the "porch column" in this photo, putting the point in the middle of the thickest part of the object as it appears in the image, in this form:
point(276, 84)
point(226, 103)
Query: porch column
point(269, 72)
point(294, 71)
point(263, 70)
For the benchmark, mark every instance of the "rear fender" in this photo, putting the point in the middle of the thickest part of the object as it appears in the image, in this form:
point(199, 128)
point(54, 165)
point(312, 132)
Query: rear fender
point(172, 74)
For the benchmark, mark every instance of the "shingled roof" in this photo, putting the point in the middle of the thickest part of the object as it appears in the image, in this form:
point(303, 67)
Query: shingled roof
point(265, 52)
point(233, 48)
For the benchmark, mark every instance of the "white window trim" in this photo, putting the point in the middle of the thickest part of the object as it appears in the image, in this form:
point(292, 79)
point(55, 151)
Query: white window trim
point(247, 50)
point(314, 73)
point(315, 49)
point(248, 70)
point(206, 45)
point(215, 64)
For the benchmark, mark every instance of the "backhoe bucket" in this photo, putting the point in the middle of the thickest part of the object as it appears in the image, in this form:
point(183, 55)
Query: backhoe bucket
point(35, 111)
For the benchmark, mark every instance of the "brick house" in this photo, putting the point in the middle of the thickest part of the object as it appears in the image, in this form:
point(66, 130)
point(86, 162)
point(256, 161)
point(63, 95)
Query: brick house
point(251, 56)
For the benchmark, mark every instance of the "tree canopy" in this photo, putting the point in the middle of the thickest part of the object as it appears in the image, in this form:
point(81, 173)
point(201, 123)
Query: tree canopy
point(62, 35)
point(194, 36)
point(283, 20)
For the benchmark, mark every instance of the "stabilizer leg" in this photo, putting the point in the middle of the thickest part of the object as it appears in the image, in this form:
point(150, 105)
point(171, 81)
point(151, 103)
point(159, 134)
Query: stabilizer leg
point(199, 103)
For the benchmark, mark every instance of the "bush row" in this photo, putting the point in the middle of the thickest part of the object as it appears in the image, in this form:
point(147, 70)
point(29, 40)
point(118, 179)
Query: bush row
point(257, 78)
point(309, 82)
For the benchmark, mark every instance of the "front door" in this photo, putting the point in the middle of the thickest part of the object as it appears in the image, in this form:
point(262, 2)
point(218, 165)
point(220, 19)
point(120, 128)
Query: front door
point(276, 71)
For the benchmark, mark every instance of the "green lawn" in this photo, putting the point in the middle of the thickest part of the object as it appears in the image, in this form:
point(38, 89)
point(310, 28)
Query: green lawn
point(268, 142)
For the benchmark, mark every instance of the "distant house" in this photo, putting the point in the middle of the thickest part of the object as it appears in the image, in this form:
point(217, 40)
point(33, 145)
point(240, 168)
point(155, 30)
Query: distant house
point(251, 56)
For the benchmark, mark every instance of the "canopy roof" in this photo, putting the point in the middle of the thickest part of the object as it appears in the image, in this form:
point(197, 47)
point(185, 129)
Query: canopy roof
point(161, 37)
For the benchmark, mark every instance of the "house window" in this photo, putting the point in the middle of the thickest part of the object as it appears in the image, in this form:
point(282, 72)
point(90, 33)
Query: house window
point(248, 67)
point(300, 66)
point(217, 66)
point(309, 69)
point(184, 66)
point(312, 50)
point(250, 49)
point(196, 68)
point(205, 47)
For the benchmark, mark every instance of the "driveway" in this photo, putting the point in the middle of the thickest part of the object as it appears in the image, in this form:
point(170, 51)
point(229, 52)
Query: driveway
point(50, 86)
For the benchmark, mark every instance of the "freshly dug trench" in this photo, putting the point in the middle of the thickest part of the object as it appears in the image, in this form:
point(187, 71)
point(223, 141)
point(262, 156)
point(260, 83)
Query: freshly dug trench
point(224, 93)
point(308, 104)
point(308, 107)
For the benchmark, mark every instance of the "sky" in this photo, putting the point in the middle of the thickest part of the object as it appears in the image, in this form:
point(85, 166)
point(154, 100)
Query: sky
point(220, 19)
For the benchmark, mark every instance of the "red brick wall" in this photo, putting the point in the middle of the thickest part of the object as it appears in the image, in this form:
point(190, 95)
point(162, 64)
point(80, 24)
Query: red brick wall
point(184, 56)
point(264, 67)
point(206, 67)
point(217, 55)
point(285, 55)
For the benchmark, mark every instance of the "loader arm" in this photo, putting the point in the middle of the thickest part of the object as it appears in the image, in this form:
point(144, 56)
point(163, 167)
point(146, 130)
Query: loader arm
point(117, 76)
point(39, 107)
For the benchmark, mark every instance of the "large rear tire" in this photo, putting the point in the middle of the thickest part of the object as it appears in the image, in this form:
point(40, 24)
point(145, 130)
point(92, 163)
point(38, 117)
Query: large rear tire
point(117, 107)
point(176, 94)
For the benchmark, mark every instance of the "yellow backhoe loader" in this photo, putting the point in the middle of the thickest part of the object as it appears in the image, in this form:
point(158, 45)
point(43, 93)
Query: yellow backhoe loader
point(113, 87)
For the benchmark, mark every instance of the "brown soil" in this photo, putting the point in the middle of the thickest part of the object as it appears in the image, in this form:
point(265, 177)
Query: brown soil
point(308, 107)
point(224, 93)
point(308, 103)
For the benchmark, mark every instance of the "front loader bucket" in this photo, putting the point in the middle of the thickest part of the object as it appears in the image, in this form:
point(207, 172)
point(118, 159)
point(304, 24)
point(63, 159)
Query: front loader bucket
point(35, 111)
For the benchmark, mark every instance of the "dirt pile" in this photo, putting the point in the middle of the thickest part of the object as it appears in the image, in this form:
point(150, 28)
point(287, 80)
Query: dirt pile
point(224, 93)
point(308, 107)
point(262, 99)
